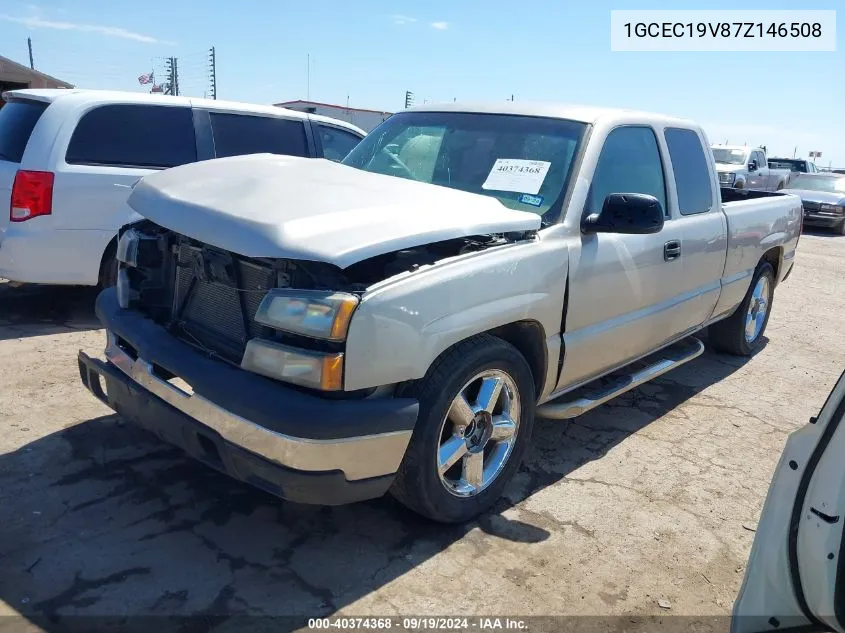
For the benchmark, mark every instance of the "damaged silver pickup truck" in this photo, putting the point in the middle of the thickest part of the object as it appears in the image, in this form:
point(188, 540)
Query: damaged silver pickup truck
point(331, 332)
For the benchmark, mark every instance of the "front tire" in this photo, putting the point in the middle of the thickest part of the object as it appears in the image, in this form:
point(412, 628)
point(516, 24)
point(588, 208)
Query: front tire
point(475, 421)
point(840, 228)
point(741, 333)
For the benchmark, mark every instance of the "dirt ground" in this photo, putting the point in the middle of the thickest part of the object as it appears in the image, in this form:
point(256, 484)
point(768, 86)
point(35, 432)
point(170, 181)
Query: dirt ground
point(651, 498)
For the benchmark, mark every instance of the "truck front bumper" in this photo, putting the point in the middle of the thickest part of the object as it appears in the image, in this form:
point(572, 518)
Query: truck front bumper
point(299, 447)
point(827, 220)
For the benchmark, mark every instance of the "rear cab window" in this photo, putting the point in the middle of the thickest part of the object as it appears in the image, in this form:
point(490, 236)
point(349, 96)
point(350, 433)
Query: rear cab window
point(240, 134)
point(17, 120)
point(127, 135)
point(692, 175)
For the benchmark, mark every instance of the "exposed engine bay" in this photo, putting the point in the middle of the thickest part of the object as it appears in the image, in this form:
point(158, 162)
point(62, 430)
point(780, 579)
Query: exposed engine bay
point(212, 263)
point(208, 296)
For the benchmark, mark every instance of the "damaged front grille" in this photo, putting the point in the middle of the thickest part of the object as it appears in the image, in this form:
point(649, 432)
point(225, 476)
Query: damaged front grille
point(215, 298)
point(207, 296)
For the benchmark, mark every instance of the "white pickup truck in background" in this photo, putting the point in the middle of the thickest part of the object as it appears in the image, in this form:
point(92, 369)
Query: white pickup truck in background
point(393, 323)
point(743, 167)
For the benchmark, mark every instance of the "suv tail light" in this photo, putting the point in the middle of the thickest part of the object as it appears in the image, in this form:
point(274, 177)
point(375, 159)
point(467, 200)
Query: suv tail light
point(32, 195)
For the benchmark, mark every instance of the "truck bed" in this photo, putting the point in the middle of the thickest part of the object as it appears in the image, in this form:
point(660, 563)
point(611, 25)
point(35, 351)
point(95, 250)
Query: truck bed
point(730, 194)
point(756, 222)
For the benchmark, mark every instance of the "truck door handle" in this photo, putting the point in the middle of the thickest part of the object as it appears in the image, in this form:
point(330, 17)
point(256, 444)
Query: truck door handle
point(672, 250)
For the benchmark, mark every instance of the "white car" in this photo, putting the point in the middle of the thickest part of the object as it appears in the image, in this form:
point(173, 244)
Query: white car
point(796, 571)
point(68, 160)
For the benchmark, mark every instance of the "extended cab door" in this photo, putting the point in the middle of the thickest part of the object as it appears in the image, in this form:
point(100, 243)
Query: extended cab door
point(696, 207)
point(622, 287)
point(796, 570)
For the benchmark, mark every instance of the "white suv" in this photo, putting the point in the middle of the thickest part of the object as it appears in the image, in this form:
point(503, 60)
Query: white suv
point(68, 160)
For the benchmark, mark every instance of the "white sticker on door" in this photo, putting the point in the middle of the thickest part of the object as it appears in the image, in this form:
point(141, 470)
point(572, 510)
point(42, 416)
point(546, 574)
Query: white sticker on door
point(517, 174)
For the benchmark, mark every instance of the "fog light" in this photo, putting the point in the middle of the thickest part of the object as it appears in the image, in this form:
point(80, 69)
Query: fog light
point(299, 366)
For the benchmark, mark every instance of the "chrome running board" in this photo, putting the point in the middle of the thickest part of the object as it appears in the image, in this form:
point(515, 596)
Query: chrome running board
point(603, 389)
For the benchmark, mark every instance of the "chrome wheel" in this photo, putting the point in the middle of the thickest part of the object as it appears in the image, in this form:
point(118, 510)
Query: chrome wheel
point(478, 433)
point(758, 307)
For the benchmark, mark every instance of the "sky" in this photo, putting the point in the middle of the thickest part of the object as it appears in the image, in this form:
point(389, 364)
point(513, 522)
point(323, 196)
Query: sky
point(370, 53)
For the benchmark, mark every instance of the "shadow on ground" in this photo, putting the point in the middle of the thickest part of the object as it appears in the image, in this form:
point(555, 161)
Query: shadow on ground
point(35, 310)
point(103, 519)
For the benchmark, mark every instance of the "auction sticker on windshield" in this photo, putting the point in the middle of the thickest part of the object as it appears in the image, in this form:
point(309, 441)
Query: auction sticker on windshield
point(517, 175)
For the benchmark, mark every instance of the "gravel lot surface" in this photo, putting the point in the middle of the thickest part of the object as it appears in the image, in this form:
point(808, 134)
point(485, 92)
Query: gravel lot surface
point(650, 499)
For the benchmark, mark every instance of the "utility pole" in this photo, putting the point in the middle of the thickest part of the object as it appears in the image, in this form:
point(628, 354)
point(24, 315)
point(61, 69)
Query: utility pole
point(213, 61)
point(29, 44)
point(308, 77)
point(172, 76)
point(176, 75)
point(409, 99)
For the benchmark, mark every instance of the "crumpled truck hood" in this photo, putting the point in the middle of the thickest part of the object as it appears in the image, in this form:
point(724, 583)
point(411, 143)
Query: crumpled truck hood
point(266, 205)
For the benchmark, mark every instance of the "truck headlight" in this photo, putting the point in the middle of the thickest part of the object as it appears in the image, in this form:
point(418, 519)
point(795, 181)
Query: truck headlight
point(832, 208)
point(316, 370)
point(315, 313)
point(127, 247)
point(125, 293)
point(727, 179)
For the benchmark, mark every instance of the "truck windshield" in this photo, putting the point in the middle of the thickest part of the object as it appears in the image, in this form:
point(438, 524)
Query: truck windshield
point(525, 162)
point(831, 184)
point(729, 156)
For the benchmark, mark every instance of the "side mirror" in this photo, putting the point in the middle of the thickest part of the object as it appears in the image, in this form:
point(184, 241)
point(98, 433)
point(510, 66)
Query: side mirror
point(752, 166)
point(632, 213)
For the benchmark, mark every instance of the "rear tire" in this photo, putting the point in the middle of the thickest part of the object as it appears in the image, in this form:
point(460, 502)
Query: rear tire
point(741, 333)
point(460, 458)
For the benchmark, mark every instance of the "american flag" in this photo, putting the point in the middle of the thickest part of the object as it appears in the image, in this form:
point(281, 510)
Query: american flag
point(146, 78)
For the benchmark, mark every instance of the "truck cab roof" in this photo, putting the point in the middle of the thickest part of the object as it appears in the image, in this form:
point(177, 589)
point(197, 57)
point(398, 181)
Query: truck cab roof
point(571, 112)
point(747, 148)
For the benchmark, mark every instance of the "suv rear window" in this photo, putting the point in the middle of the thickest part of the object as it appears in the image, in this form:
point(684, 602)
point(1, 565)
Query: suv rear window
point(17, 119)
point(239, 134)
point(134, 136)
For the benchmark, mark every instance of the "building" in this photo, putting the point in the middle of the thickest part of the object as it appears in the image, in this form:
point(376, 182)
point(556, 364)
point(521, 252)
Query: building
point(14, 76)
point(364, 119)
